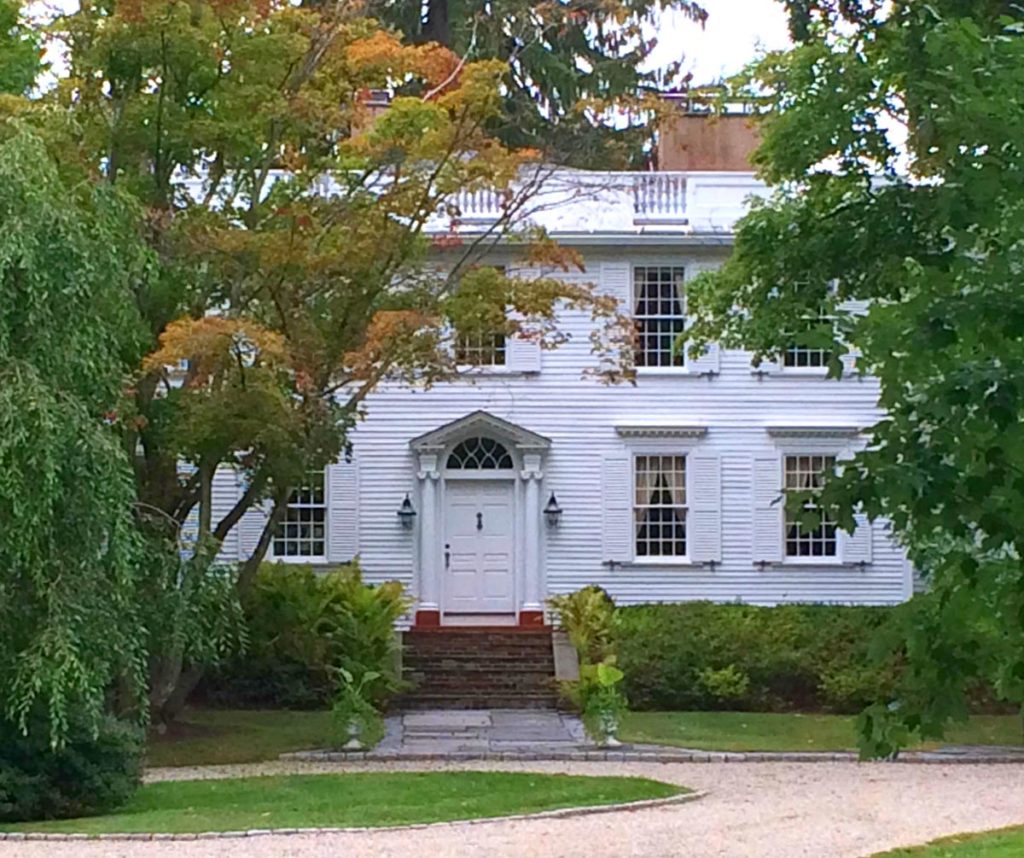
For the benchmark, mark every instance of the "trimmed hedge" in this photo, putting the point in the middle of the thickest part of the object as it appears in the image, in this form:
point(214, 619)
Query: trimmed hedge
point(87, 776)
point(701, 655)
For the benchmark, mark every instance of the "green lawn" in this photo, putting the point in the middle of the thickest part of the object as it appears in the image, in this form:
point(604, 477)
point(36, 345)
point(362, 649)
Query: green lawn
point(763, 731)
point(215, 736)
point(358, 799)
point(1005, 843)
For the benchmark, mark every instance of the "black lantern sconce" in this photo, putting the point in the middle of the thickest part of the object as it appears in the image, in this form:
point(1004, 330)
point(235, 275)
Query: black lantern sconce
point(553, 512)
point(406, 513)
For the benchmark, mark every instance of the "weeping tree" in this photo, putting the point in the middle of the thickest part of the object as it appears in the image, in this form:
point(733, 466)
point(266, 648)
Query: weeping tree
point(580, 87)
point(291, 275)
point(892, 135)
point(70, 261)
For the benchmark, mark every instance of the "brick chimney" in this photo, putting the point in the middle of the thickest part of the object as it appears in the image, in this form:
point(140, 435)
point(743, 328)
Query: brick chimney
point(372, 103)
point(691, 138)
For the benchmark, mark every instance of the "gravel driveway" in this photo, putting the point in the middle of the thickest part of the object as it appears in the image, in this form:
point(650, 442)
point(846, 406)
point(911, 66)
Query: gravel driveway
point(824, 810)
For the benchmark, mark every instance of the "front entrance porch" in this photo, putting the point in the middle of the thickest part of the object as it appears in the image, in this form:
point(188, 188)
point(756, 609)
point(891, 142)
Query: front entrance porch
point(480, 540)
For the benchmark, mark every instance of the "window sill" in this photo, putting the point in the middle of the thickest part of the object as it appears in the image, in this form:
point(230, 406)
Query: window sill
point(490, 371)
point(657, 563)
point(813, 563)
point(299, 561)
point(664, 370)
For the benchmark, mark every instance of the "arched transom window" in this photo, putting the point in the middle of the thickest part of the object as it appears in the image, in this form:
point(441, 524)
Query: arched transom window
point(480, 454)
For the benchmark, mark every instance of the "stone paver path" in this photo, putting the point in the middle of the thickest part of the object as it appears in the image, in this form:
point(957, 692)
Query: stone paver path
point(752, 810)
point(483, 731)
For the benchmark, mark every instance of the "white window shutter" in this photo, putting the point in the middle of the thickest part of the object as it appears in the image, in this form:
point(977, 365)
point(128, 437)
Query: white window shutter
point(617, 509)
point(704, 498)
point(615, 281)
point(709, 362)
point(855, 548)
point(769, 508)
point(522, 354)
point(224, 496)
point(342, 511)
point(250, 528)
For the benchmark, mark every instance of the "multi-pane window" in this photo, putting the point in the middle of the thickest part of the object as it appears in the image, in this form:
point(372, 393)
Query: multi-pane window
point(809, 357)
point(660, 313)
point(802, 357)
point(480, 349)
point(303, 531)
point(659, 505)
point(807, 474)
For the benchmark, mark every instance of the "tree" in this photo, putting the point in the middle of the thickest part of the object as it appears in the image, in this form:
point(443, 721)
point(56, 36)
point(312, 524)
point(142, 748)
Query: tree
point(20, 51)
point(70, 259)
point(575, 68)
point(289, 231)
point(892, 137)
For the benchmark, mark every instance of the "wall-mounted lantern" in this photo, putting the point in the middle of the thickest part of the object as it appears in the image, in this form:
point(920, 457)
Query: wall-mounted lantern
point(553, 512)
point(406, 513)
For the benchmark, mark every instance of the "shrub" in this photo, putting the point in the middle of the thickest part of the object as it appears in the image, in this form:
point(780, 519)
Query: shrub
point(86, 776)
point(700, 655)
point(302, 627)
point(588, 618)
point(356, 721)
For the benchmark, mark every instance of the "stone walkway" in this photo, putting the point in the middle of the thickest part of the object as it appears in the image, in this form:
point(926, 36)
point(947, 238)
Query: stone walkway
point(483, 731)
point(539, 734)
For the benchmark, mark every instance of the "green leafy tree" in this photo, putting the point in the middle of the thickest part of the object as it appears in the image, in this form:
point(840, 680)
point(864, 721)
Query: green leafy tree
point(20, 50)
point(289, 230)
point(892, 137)
point(575, 68)
point(70, 259)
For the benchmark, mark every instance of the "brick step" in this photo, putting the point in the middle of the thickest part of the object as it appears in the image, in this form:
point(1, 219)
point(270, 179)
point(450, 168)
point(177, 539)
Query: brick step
point(477, 674)
point(490, 683)
point(499, 662)
point(455, 666)
point(477, 701)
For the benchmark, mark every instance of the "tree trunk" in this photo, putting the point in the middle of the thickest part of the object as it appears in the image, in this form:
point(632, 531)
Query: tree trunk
point(172, 706)
point(437, 27)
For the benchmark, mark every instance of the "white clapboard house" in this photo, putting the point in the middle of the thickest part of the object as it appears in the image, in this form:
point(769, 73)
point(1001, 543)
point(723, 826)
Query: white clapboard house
point(528, 478)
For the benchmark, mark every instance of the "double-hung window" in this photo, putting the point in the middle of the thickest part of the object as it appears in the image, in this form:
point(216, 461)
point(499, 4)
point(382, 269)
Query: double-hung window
point(659, 505)
point(802, 357)
point(303, 530)
point(806, 474)
point(659, 310)
point(487, 348)
point(480, 349)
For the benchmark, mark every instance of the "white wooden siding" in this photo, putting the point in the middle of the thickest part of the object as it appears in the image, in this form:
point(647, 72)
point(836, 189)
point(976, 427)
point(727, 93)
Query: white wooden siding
point(579, 415)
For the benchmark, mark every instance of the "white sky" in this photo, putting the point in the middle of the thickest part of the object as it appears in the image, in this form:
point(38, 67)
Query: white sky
point(735, 32)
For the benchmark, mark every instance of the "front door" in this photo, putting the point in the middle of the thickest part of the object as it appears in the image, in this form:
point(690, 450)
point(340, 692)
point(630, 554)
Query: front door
point(479, 536)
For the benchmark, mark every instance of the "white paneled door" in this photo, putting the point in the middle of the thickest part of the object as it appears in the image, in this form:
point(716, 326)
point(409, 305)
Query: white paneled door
point(479, 575)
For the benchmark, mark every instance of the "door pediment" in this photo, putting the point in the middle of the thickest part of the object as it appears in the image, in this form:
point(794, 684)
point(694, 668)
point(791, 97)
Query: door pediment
point(484, 424)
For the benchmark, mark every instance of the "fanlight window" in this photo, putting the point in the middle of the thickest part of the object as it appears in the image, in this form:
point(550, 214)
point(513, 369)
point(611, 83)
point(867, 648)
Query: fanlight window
point(480, 454)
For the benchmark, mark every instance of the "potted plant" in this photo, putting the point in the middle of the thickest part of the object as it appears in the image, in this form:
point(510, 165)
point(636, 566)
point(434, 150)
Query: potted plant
point(357, 723)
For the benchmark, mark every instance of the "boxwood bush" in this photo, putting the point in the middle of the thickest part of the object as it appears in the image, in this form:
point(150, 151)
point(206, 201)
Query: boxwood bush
point(90, 774)
point(701, 655)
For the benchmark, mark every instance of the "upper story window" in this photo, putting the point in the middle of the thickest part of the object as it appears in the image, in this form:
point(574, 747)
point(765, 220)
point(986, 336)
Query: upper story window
point(659, 505)
point(659, 309)
point(303, 530)
point(480, 349)
point(806, 358)
point(807, 474)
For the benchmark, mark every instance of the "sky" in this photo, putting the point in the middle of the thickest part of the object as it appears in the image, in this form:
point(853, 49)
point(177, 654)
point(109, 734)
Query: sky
point(734, 32)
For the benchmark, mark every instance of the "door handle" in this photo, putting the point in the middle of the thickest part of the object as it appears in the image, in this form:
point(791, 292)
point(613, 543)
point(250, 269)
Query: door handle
point(479, 521)
point(447, 556)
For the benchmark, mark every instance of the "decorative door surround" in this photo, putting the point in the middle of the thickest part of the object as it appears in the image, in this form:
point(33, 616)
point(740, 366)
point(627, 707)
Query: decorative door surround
point(529, 451)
